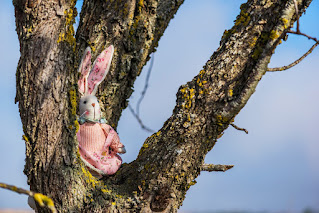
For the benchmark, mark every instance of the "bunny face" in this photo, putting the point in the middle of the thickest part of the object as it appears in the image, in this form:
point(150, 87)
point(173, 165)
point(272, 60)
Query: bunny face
point(90, 108)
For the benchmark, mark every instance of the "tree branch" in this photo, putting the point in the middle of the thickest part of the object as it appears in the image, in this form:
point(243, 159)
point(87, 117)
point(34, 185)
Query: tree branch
point(134, 28)
point(216, 167)
point(297, 32)
point(297, 14)
point(295, 62)
point(139, 120)
point(41, 199)
point(207, 105)
point(170, 159)
point(145, 87)
point(137, 113)
point(238, 128)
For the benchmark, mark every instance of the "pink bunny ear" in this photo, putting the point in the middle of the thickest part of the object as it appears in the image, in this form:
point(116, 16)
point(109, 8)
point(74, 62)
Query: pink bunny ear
point(84, 69)
point(100, 69)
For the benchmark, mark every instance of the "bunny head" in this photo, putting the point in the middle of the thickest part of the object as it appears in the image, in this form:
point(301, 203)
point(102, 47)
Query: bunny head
point(90, 80)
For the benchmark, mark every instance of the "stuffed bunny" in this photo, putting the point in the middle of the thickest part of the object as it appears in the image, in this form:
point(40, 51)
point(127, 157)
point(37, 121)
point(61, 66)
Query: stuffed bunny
point(98, 141)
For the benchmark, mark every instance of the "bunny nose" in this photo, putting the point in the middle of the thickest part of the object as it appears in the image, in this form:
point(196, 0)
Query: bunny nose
point(93, 104)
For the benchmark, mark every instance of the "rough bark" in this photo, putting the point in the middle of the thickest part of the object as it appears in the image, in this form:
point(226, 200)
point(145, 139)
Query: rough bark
point(170, 159)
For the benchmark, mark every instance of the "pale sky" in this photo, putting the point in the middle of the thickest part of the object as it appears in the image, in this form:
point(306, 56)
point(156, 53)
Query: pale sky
point(276, 164)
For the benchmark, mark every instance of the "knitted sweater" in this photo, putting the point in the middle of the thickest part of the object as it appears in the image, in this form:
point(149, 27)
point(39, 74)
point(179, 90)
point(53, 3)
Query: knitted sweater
point(98, 145)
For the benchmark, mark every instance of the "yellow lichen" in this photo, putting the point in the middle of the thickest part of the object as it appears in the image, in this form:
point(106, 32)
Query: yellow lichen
point(188, 95)
point(76, 125)
point(141, 3)
point(220, 120)
point(73, 101)
point(230, 93)
point(90, 180)
point(68, 34)
point(274, 35)
point(253, 41)
point(220, 135)
point(243, 18)
point(43, 200)
point(92, 46)
point(285, 21)
point(25, 138)
point(145, 145)
point(106, 191)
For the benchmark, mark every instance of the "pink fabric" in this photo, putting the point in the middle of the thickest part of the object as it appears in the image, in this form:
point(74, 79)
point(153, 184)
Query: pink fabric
point(98, 145)
point(85, 68)
point(99, 69)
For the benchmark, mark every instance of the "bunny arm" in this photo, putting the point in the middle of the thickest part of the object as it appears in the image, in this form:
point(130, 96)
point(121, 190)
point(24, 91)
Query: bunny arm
point(112, 138)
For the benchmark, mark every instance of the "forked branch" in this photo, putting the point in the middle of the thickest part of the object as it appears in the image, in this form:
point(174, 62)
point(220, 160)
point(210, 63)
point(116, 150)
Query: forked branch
point(297, 32)
point(295, 62)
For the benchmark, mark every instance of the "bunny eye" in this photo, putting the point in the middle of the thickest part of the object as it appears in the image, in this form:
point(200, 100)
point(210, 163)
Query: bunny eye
point(84, 102)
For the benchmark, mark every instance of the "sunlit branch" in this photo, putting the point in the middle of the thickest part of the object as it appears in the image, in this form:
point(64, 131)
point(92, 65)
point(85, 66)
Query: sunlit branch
point(41, 199)
point(216, 167)
point(297, 32)
point(238, 128)
point(295, 62)
point(139, 120)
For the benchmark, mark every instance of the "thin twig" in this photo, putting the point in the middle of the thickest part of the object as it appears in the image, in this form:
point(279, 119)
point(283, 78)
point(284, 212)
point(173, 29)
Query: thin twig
point(295, 62)
point(145, 86)
point(137, 113)
point(139, 120)
point(297, 15)
point(41, 199)
point(216, 167)
point(303, 34)
point(16, 189)
point(297, 32)
point(238, 128)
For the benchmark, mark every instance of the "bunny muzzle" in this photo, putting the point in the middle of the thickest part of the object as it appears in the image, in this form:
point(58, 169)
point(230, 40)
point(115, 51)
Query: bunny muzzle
point(90, 108)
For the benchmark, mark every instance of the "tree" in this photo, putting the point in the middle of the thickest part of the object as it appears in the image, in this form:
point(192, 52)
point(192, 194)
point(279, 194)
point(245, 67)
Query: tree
point(170, 159)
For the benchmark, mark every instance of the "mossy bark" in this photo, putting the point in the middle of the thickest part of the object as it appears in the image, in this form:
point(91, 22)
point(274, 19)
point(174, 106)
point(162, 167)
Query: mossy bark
point(170, 159)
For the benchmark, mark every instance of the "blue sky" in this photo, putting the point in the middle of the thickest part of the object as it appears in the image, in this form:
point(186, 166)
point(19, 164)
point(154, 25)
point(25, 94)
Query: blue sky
point(276, 164)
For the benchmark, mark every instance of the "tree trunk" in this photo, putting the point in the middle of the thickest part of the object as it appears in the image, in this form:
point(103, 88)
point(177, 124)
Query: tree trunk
point(170, 159)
